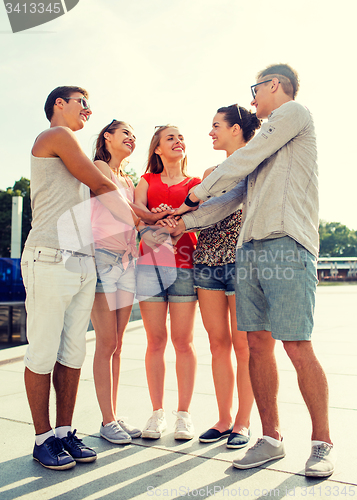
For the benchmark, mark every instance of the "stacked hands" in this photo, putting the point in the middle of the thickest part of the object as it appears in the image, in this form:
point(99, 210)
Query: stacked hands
point(171, 224)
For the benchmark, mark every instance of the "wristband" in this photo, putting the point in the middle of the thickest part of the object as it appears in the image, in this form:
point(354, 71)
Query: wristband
point(144, 230)
point(190, 203)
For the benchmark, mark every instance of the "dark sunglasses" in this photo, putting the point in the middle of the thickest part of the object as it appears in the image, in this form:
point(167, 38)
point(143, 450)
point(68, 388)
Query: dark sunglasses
point(108, 126)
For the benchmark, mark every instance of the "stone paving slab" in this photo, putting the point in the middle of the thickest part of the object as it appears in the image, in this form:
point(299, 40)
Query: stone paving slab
point(169, 469)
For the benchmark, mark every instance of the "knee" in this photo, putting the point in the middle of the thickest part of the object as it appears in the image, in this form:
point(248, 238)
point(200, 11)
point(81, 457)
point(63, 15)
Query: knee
point(241, 349)
point(118, 348)
point(298, 351)
point(156, 344)
point(260, 343)
point(220, 347)
point(108, 348)
point(182, 345)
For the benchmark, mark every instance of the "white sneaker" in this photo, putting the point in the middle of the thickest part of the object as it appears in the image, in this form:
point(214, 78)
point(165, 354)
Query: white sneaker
point(133, 432)
point(155, 426)
point(113, 433)
point(184, 427)
point(320, 462)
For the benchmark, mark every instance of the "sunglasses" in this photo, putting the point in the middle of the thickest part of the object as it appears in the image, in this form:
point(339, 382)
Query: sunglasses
point(239, 113)
point(82, 100)
point(108, 126)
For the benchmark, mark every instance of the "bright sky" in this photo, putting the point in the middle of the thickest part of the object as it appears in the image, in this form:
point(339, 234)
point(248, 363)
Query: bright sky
point(150, 62)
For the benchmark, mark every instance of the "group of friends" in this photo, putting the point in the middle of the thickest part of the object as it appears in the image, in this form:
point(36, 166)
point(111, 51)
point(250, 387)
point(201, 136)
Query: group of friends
point(252, 270)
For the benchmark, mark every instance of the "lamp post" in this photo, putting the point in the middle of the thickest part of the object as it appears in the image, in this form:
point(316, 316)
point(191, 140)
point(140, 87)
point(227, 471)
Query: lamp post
point(16, 227)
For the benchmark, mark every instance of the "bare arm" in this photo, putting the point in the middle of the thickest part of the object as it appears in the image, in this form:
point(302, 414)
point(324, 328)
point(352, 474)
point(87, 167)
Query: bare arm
point(60, 142)
point(141, 195)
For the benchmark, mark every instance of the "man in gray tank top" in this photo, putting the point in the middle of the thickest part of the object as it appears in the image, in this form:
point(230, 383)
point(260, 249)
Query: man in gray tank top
point(59, 273)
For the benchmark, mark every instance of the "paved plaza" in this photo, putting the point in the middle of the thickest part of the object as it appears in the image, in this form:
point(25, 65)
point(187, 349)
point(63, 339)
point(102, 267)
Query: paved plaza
point(166, 468)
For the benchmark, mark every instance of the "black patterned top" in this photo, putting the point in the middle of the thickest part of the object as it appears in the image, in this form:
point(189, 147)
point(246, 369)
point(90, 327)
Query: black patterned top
point(216, 245)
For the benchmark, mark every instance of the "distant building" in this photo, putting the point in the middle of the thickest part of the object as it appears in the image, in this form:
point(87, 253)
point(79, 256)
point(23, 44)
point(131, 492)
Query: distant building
point(337, 268)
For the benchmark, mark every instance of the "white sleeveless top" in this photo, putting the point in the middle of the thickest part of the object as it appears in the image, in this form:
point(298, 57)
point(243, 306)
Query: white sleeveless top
point(60, 208)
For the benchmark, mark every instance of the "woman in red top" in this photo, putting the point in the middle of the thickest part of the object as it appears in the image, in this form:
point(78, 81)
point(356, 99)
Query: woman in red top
point(165, 280)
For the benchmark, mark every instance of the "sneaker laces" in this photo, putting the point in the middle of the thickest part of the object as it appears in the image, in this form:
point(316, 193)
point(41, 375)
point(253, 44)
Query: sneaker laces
point(320, 450)
point(181, 422)
point(73, 440)
point(153, 422)
point(55, 447)
point(257, 444)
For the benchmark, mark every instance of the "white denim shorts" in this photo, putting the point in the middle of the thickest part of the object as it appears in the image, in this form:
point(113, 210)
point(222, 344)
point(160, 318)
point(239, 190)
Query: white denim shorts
point(59, 298)
point(111, 275)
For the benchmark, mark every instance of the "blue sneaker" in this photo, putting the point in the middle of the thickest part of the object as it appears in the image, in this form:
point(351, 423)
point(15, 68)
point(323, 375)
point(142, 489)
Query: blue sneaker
point(51, 455)
point(77, 449)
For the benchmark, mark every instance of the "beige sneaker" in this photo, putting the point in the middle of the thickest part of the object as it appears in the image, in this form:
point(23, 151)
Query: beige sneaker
point(259, 454)
point(320, 462)
point(183, 427)
point(155, 426)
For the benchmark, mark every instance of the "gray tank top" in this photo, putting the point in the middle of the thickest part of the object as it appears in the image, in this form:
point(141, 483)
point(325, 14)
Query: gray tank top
point(60, 208)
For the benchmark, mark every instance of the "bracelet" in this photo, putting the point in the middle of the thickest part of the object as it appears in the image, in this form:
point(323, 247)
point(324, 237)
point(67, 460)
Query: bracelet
point(144, 230)
point(190, 203)
point(138, 220)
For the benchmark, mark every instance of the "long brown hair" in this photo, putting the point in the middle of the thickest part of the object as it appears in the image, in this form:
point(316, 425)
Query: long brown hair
point(100, 150)
point(154, 164)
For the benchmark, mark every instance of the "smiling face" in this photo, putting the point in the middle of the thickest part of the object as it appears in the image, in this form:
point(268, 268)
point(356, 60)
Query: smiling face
point(74, 113)
point(222, 134)
point(172, 145)
point(121, 140)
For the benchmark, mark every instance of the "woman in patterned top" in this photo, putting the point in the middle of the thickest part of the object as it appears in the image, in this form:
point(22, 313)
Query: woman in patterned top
point(214, 275)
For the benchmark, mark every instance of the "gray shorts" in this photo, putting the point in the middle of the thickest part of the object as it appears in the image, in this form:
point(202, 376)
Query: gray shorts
point(275, 288)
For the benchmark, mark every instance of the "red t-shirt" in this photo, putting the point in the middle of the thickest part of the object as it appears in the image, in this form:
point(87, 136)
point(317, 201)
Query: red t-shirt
point(175, 195)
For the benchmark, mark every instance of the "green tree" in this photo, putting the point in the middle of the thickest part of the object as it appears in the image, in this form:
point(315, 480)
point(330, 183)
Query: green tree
point(133, 175)
point(20, 188)
point(336, 240)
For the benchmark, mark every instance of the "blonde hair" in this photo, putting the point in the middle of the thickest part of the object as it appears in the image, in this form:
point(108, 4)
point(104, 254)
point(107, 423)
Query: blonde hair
point(154, 164)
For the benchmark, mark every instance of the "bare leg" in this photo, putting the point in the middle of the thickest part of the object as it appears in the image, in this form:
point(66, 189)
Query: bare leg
point(154, 318)
point(65, 381)
point(182, 316)
point(313, 386)
point(264, 377)
point(214, 311)
point(122, 317)
point(245, 391)
point(38, 395)
point(109, 328)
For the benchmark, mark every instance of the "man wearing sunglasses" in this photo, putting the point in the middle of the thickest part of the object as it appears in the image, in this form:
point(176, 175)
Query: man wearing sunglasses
point(275, 177)
point(59, 273)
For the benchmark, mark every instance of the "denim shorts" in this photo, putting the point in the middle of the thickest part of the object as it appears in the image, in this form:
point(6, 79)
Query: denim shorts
point(215, 277)
point(164, 284)
point(58, 305)
point(111, 275)
point(275, 288)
